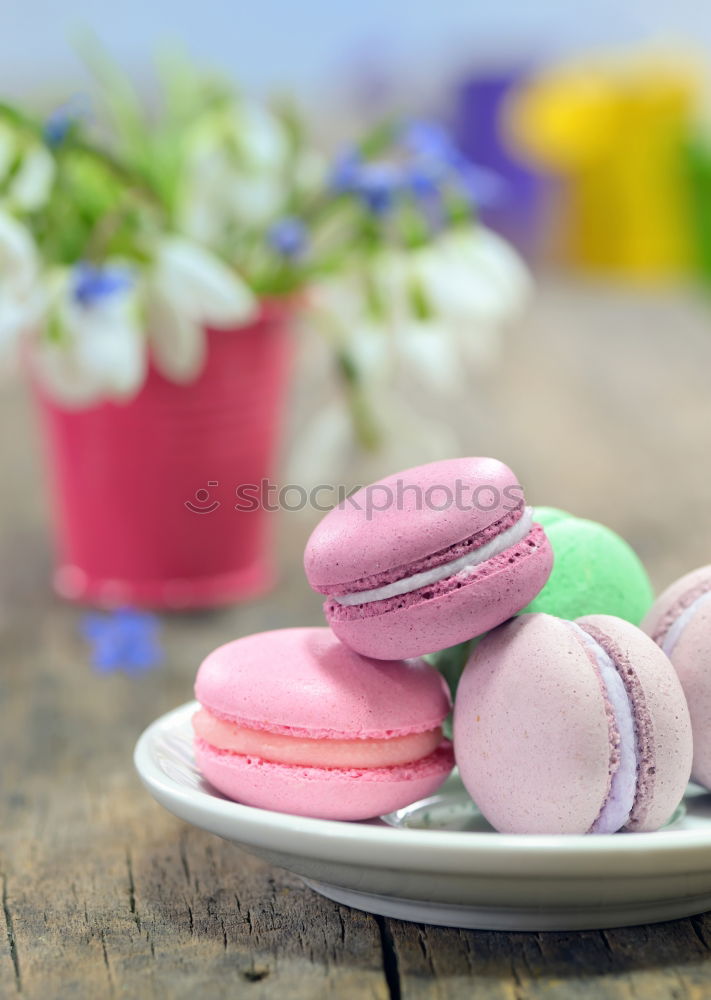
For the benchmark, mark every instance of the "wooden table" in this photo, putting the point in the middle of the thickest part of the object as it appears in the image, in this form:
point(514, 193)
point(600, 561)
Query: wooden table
point(604, 407)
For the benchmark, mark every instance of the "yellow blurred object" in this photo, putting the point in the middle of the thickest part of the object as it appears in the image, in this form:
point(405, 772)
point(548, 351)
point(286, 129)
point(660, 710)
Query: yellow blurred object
point(613, 128)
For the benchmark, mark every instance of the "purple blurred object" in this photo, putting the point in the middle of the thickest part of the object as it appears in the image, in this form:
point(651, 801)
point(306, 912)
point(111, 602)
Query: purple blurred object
point(478, 133)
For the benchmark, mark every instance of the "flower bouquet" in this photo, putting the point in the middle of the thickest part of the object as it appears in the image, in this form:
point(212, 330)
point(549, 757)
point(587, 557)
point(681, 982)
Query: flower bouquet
point(153, 260)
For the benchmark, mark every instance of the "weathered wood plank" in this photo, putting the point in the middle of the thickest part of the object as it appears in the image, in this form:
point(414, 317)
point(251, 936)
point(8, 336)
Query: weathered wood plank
point(661, 961)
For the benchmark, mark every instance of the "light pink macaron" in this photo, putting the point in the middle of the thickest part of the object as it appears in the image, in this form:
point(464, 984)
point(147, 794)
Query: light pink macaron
point(680, 622)
point(292, 720)
point(572, 727)
point(427, 558)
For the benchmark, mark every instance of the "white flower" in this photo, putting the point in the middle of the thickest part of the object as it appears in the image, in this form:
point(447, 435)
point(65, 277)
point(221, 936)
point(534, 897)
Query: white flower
point(20, 295)
point(31, 185)
point(234, 173)
point(190, 289)
point(471, 274)
point(262, 139)
point(240, 169)
point(94, 348)
point(310, 172)
point(326, 450)
point(429, 351)
point(8, 148)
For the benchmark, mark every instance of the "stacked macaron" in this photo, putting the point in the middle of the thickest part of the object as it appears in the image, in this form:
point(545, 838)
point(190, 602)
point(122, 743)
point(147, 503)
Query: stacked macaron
point(428, 557)
point(560, 726)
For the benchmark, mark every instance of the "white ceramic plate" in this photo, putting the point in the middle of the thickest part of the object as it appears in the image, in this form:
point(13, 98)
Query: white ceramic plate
point(439, 862)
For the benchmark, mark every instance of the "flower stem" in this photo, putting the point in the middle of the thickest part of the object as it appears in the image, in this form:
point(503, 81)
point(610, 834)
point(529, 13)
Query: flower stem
point(367, 432)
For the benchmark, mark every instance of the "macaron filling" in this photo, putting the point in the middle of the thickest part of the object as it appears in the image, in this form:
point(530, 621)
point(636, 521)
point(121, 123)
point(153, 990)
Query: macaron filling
point(673, 625)
point(617, 808)
point(330, 752)
point(463, 566)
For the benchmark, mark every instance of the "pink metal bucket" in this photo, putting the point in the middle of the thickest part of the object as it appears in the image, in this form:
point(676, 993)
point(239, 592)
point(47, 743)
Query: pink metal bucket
point(144, 493)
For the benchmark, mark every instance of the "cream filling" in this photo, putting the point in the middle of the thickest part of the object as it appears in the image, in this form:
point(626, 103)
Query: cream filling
point(616, 810)
point(674, 633)
point(278, 748)
point(503, 541)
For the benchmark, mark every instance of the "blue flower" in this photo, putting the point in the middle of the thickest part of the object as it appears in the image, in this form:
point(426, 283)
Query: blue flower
point(288, 236)
point(435, 152)
point(428, 140)
point(60, 122)
point(481, 187)
point(92, 283)
point(376, 183)
point(426, 188)
point(346, 170)
point(379, 184)
point(125, 640)
point(426, 163)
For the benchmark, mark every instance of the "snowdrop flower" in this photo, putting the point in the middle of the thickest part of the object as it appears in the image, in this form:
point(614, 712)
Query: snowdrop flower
point(430, 353)
point(7, 149)
point(472, 274)
point(20, 296)
point(474, 283)
point(309, 172)
point(326, 450)
point(202, 211)
point(30, 187)
point(94, 348)
point(239, 169)
point(336, 306)
point(190, 289)
point(469, 283)
point(262, 139)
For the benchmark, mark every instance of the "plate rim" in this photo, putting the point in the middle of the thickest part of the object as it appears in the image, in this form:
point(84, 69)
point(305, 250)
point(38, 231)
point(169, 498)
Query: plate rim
point(486, 854)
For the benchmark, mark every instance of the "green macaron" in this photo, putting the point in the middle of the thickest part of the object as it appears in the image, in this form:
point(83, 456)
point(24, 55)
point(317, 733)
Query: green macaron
point(595, 572)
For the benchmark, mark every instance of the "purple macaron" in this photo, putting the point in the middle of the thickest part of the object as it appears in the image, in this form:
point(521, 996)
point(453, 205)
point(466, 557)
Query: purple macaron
point(427, 558)
point(572, 727)
point(680, 622)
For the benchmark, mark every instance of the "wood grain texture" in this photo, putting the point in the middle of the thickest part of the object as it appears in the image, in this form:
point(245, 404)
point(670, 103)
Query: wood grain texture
point(602, 407)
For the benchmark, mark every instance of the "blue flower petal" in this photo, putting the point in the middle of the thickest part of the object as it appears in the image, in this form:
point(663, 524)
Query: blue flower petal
point(92, 283)
point(288, 236)
point(125, 640)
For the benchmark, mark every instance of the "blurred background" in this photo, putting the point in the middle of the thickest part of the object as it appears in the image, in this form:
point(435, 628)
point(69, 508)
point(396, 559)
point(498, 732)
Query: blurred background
point(588, 374)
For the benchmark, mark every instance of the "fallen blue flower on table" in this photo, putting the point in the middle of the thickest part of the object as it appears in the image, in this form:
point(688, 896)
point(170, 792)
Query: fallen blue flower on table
point(125, 640)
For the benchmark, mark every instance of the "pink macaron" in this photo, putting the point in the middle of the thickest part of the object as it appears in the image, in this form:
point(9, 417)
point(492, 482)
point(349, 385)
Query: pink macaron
point(427, 558)
point(680, 622)
point(572, 727)
point(292, 720)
